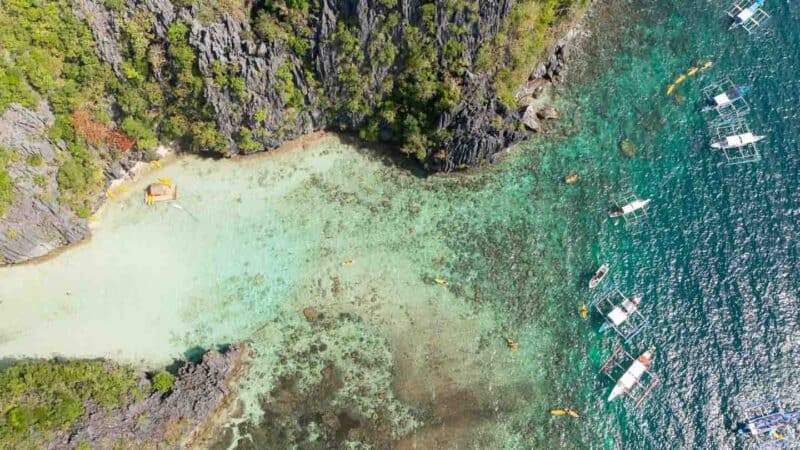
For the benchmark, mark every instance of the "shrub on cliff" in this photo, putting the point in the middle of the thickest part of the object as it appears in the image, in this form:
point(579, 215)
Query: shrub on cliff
point(162, 382)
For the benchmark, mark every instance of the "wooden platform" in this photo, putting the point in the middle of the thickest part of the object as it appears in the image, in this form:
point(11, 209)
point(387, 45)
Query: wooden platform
point(160, 192)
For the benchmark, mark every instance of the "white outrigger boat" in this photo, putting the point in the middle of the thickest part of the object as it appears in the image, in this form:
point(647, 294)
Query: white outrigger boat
point(736, 141)
point(748, 17)
point(621, 312)
point(631, 377)
point(599, 276)
point(629, 208)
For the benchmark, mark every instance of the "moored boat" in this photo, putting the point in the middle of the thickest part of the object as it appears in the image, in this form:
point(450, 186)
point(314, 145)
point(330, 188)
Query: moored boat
point(621, 312)
point(736, 141)
point(599, 276)
point(631, 377)
point(629, 208)
point(726, 99)
point(745, 15)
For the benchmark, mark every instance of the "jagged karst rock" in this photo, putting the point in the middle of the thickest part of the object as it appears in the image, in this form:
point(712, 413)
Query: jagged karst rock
point(477, 127)
point(165, 420)
point(530, 119)
point(36, 223)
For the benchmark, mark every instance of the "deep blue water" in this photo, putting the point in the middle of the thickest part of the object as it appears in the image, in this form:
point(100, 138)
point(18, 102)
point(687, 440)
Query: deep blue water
point(717, 258)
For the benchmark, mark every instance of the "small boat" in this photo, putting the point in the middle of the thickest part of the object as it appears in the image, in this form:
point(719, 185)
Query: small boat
point(631, 377)
point(584, 312)
point(621, 312)
point(736, 141)
point(726, 99)
point(629, 208)
point(746, 14)
point(598, 276)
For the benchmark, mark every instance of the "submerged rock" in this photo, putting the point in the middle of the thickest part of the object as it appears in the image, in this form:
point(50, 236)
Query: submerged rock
point(628, 148)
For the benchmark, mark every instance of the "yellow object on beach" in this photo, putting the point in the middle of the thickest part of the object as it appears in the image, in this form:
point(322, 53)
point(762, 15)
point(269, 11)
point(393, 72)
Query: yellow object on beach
point(441, 281)
point(584, 311)
point(122, 188)
point(564, 412)
point(692, 71)
point(156, 163)
point(110, 193)
point(347, 261)
point(166, 181)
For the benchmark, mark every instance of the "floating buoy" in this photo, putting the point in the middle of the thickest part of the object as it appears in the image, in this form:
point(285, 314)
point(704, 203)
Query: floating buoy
point(511, 344)
point(692, 71)
point(347, 261)
point(584, 312)
point(441, 281)
point(564, 412)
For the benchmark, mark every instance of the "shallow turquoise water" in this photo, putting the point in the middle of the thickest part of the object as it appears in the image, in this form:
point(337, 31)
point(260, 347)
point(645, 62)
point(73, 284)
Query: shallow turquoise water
point(261, 239)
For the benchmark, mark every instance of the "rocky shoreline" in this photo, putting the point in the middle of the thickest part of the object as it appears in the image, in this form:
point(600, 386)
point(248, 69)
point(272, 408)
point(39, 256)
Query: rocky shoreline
point(37, 223)
point(176, 419)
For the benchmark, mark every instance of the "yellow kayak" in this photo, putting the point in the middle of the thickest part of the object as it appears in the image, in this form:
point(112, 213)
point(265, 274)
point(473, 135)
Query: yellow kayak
point(670, 89)
point(564, 412)
point(680, 79)
point(707, 65)
point(347, 261)
point(584, 311)
point(692, 71)
point(441, 281)
point(166, 181)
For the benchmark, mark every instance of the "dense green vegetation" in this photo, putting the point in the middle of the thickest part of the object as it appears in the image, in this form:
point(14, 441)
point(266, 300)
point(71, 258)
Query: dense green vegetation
point(158, 93)
point(37, 398)
point(49, 53)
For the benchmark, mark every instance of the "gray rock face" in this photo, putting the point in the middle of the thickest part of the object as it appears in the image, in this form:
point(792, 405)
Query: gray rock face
point(161, 421)
point(476, 128)
point(36, 223)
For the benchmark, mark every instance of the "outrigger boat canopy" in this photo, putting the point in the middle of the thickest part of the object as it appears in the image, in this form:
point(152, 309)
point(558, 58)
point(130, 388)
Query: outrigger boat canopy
point(620, 313)
point(636, 380)
point(726, 98)
point(631, 208)
point(748, 16)
point(737, 142)
point(768, 422)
